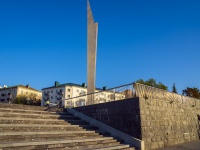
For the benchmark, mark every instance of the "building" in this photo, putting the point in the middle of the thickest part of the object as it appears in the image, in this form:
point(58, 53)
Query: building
point(74, 95)
point(9, 93)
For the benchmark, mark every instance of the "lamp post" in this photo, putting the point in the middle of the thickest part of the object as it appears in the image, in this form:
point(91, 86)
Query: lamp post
point(11, 94)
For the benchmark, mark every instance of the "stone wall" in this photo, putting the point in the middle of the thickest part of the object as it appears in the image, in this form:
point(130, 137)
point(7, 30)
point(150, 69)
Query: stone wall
point(159, 123)
point(165, 123)
point(122, 115)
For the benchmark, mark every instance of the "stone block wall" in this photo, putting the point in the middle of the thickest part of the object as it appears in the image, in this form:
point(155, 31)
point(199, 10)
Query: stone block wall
point(123, 115)
point(165, 123)
point(159, 123)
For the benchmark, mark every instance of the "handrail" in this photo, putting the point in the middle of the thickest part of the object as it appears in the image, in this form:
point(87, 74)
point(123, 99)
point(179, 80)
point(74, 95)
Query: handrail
point(101, 91)
point(101, 96)
point(136, 90)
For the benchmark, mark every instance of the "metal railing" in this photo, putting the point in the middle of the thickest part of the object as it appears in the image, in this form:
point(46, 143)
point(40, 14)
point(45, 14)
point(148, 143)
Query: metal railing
point(129, 91)
point(102, 96)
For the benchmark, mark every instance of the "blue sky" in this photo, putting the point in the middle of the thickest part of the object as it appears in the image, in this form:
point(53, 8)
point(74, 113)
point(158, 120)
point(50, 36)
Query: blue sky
point(42, 41)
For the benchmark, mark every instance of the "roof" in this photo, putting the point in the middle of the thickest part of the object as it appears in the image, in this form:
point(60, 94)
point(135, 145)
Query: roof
point(68, 84)
point(16, 86)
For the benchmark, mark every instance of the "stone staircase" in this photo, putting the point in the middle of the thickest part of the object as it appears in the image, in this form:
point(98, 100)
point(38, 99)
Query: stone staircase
point(31, 127)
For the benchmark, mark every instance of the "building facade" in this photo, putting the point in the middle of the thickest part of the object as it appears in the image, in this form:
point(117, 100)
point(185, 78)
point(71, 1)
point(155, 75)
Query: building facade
point(74, 95)
point(9, 93)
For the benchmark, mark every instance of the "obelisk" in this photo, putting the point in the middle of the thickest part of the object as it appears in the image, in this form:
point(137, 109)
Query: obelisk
point(92, 32)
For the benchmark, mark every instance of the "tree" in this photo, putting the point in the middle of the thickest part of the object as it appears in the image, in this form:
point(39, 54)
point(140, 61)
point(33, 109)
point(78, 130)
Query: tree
point(161, 86)
point(174, 88)
point(192, 92)
point(152, 82)
point(27, 100)
point(19, 100)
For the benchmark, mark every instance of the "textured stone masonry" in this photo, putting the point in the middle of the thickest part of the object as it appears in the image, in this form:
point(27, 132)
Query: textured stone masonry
point(166, 123)
point(159, 123)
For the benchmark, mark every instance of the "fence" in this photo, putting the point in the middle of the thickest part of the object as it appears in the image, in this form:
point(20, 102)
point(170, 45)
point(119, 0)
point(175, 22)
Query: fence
point(102, 96)
point(129, 91)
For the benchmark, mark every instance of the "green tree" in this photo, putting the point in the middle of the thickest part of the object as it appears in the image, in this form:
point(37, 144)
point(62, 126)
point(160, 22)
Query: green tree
point(174, 88)
point(27, 100)
point(152, 82)
point(192, 92)
point(161, 86)
point(19, 100)
point(141, 81)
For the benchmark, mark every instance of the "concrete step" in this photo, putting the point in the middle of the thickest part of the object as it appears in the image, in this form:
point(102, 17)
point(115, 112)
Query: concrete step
point(75, 143)
point(114, 147)
point(38, 127)
point(25, 127)
point(32, 111)
point(14, 120)
point(101, 132)
point(19, 106)
point(89, 127)
point(39, 116)
point(130, 148)
point(39, 136)
point(92, 146)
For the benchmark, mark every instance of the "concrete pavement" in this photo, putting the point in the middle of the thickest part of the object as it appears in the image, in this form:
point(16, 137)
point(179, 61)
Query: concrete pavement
point(194, 145)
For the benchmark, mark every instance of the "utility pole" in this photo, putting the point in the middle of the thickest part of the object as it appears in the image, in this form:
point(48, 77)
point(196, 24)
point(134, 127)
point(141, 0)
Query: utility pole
point(11, 93)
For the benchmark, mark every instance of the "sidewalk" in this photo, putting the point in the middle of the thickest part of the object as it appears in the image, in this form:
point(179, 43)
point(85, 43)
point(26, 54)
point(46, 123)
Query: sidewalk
point(194, 145)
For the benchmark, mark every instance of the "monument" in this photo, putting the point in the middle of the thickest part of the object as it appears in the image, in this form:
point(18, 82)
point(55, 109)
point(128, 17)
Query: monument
point(92, 32)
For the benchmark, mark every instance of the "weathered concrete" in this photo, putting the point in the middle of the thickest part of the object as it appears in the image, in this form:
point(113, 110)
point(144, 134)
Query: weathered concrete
point(194, 145)
point(49, 130)
point(2, 145)
point(92, 31)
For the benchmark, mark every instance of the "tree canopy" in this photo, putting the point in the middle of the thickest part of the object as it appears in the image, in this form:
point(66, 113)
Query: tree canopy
point(152, 82)
point(28, 100)
point(192, 92)
point(174, 88)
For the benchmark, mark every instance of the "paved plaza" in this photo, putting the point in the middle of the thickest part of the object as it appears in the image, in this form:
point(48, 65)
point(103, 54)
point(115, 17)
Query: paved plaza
point(194, 145)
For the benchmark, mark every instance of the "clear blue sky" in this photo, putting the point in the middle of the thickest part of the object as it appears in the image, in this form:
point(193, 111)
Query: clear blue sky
point(42, 41)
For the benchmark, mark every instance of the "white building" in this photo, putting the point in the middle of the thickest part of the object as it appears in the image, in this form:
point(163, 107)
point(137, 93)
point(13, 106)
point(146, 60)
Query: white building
point(71, 94)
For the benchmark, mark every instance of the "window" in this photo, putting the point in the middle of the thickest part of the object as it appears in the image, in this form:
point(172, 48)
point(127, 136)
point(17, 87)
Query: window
point(68, 90)
point(51, 91)
point(51, 97)
point(68, 96)
point(22, 92)
point(26, 92)
point(82, 92)
point(77, 90)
